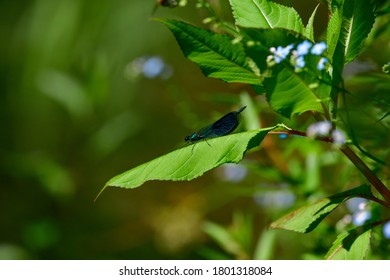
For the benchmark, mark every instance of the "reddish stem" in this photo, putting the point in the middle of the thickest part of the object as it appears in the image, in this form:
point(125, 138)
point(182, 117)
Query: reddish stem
point(356, 160)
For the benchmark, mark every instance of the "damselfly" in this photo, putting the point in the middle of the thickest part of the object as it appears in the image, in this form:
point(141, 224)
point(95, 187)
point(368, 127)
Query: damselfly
point(221, 127)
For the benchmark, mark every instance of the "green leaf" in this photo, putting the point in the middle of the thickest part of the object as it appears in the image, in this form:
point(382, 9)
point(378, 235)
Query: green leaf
point(307, 218)
point(266, 14)
point(258, 42)
point(265, 245)
point(223, 237)
point(309, 27)
point(334, 29)
point(349, 26)
point(191, 161)
point(289, 94)
point(216, 54)
point(357, 27)
point(351, 245)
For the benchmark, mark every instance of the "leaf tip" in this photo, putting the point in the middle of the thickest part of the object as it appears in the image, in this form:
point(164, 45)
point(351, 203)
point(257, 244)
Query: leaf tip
point(100, 193)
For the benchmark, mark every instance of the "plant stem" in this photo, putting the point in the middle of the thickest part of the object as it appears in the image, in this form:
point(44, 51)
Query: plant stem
point(356, 160)
point(363, 168)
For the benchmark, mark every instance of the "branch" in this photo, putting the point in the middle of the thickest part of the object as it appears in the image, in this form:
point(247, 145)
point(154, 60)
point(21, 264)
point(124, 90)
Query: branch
point(356, 160)
point(363, 168)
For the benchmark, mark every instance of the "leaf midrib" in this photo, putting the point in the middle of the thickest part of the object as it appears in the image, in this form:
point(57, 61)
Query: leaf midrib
point(214, 51)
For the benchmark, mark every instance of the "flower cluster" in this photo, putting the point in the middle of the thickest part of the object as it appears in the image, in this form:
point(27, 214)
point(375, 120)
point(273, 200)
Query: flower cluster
point(324, 128)
point(361, 213)
point(298, 54)
point(280, 53)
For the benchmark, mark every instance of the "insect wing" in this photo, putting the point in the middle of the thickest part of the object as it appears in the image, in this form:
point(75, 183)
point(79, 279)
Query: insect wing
point(225, 125)
point(221, 127)
point(205, 132)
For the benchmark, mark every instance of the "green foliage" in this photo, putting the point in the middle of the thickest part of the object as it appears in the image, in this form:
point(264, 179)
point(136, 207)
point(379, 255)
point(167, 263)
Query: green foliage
point(289, 94)
point(266, 14)
point(357, 27)
point(271, 50)
point(351, 245)
point(307, 218)
point(349, 25)
point(216, 54)
point(236, 240)
point(309, 26)
point(192, 161)
point(219, 57)
point(77, 106)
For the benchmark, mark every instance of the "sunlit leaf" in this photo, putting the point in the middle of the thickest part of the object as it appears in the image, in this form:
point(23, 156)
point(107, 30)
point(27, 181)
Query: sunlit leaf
point(349, 26)
point(289, 94)
point(216, 54)
point(357, 27)
point(192, 161)
point(351, 245)
point(307, 218)
point(309, 27)
point(266, 14)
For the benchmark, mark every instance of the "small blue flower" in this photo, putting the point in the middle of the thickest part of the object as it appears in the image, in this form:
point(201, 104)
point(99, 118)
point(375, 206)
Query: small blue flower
point(153, 67)
point(386, 230)
point(300, 62)
point(360, 217)
point(279, 199)
point(281, 53)
point(304, 47)
point(234, 172)
point(338, 137)
point(356, 204)
point(318, 48)
point(319, 129)
point(321, 63)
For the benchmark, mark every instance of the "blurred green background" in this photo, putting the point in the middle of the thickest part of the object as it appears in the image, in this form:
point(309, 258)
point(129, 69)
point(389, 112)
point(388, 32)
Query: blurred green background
point(74, 113)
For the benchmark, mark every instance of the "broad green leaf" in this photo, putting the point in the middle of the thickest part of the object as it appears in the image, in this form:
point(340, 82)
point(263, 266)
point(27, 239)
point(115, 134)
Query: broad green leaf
point(266, 14)
point(192, 161)
point(289, 94)
point(307, 218)
point(309, 27)
point(351, 245)
point(349, 26)
point(216, 54)
point(357, 27)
